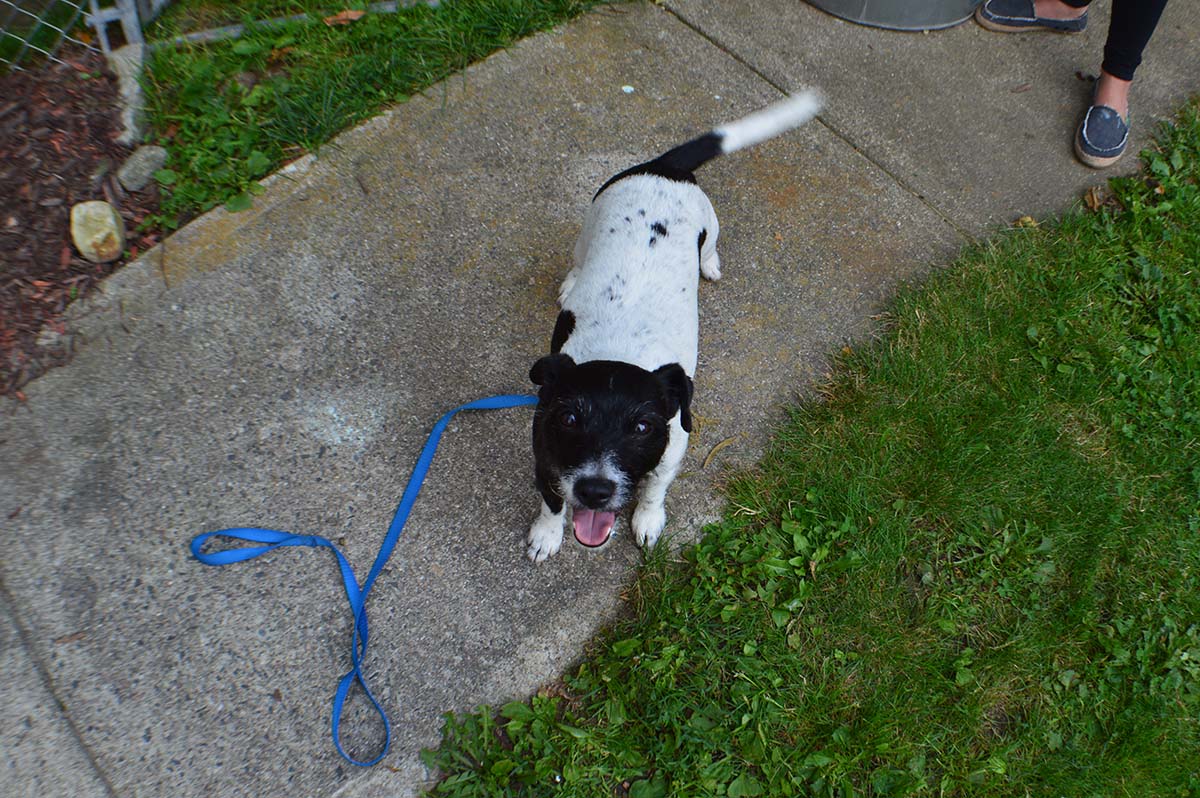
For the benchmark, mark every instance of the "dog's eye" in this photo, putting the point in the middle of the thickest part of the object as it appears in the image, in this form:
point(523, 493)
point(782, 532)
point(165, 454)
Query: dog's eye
point(568, 419)
point(643, 427)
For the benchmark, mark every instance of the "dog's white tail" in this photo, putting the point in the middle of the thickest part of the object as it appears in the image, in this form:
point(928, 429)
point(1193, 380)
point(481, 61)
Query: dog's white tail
point(759, 126)
point(769, 122)
point(679, 163)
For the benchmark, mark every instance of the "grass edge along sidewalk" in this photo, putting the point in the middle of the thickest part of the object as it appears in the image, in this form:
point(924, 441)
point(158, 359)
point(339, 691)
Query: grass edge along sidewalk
point(232, 112)
point(972, 568)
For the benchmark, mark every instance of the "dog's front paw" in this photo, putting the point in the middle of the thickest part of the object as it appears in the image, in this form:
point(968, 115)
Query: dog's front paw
point(545, 539)
point(710, 267)
point(648, 523)
point(567, 286)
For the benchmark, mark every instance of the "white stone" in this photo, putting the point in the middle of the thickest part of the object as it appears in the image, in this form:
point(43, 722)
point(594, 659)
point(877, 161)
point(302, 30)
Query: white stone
point(50, 339)
point(139, 168)
point(98, 231)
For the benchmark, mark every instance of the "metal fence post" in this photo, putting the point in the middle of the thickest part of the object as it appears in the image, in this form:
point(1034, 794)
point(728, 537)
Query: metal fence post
point(131, 23)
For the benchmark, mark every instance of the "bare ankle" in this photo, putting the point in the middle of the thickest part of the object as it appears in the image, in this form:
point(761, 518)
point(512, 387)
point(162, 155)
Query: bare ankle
point(1113, 92)
point(1056, 9)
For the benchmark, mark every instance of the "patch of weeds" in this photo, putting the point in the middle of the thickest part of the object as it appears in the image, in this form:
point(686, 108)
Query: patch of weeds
point(972, 570)
point(1146, 308)
point(189, 16)
point(230, 113)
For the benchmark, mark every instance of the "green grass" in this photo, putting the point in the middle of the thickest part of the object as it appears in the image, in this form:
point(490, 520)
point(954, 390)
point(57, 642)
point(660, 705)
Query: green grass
point(232, 112)
point(188, 16)
point(972, 569)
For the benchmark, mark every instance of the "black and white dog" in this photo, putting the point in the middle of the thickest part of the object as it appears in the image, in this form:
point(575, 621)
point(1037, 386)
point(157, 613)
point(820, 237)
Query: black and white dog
point(613, 412)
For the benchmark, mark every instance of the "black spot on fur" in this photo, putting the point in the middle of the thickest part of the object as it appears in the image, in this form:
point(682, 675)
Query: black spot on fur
point(660, 228)
point(628, 219)
point(563, 327)
point(612, 229)
point(700, 243)
point(653, 241)
point(641, 212)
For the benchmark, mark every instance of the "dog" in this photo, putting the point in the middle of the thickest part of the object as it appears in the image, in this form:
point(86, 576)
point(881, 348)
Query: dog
point(615, 392)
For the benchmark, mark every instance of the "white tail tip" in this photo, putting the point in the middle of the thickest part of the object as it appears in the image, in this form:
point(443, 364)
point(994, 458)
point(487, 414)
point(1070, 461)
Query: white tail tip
point(771, 121)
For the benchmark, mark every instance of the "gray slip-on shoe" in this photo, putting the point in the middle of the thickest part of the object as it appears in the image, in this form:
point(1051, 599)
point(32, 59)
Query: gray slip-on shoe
point(1101, 138)
point(1019, 16)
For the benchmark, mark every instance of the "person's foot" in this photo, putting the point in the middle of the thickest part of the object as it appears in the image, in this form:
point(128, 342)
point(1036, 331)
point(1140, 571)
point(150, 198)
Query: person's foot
point(1018, 16)
point(1104, 131)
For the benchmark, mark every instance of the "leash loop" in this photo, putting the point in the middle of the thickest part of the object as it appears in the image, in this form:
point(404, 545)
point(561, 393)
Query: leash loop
point(356, 595)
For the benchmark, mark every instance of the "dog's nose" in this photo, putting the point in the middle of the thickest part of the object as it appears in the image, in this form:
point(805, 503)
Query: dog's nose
point(594, 491)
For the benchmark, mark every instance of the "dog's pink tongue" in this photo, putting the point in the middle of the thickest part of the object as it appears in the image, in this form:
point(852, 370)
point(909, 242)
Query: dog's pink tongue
point(592, 527)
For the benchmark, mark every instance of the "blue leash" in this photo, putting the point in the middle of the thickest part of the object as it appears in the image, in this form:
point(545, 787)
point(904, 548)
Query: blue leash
point(357, 595)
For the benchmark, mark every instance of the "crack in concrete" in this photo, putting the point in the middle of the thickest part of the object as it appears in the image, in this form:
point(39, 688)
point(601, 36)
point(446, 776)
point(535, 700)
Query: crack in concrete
point(821, 120)
point(48, 684)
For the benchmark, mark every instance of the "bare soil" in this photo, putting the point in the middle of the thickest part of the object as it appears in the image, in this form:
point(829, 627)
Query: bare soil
point(58, 125)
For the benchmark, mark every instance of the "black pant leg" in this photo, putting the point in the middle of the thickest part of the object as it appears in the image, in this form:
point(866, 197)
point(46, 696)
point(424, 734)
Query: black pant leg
point(1133, 22)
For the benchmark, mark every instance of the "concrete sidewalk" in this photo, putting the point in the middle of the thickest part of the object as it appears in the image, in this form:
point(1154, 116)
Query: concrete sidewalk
point(280, 367)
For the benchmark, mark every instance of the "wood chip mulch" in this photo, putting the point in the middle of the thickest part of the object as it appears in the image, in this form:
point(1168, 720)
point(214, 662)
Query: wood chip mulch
point(57, 129)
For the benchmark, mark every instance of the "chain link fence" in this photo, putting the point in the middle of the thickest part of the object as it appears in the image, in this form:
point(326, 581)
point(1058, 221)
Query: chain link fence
point(32, 31)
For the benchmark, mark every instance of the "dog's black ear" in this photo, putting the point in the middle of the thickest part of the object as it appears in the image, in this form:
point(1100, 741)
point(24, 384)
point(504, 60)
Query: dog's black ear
point(549, 369)
point(678, 387)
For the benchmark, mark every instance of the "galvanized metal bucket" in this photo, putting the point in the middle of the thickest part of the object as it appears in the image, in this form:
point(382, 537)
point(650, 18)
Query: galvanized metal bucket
point(901, 14)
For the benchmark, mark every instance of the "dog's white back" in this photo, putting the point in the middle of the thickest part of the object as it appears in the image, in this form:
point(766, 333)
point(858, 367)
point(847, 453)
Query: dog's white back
point(633, 288)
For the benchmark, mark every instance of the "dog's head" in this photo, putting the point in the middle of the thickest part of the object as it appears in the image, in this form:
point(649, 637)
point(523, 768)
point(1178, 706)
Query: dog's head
point(599, 428)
